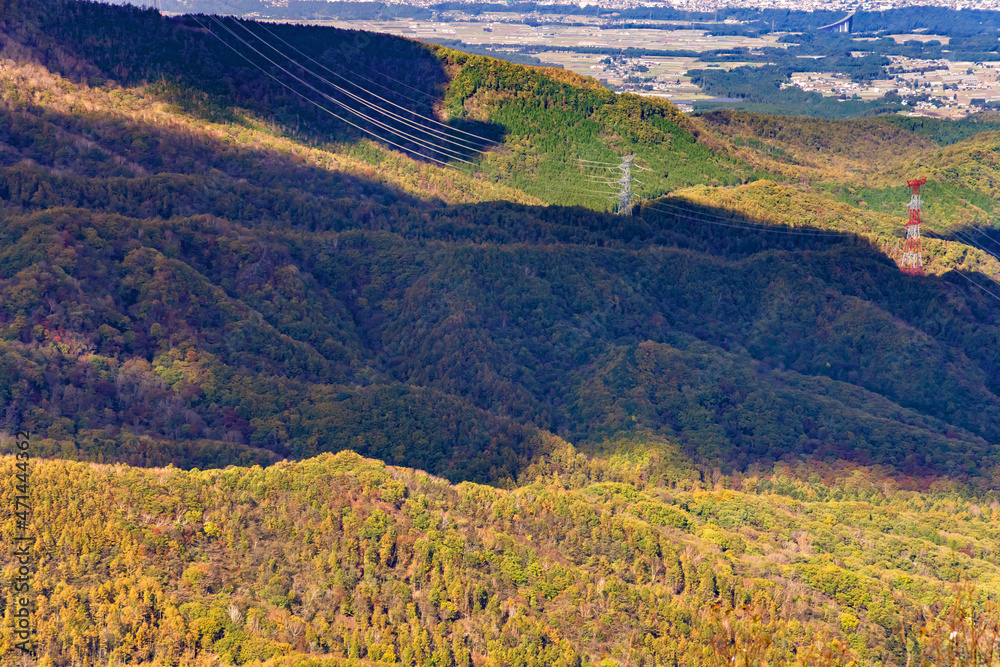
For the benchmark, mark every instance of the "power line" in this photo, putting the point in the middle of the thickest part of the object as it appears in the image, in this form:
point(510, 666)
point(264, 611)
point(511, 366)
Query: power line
point(486, 141)
point(384, 75)
point(313, 102)
point(968, 240)
point(706, 217)
point(388, 128)
point(606, 193)
point(988, 277)
point(750, 227)
point(435, 134)
point(481, 140)
point(978, 285)
point(371, 69)
point(610, 165)
point(683, 212)
point(420, 142)
point(980, 231)
point(971, 241)
point(728, 220)
point(957, 271)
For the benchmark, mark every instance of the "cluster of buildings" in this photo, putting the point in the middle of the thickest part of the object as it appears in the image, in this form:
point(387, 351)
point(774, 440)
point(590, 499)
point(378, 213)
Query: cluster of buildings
point(938, 86)
point(812, 5)
point(714, 5)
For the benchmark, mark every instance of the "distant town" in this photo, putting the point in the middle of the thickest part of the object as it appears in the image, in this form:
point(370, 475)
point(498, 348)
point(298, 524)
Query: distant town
point(679, 48)
point(947, 88)
point(935, 87)
point(793, 5)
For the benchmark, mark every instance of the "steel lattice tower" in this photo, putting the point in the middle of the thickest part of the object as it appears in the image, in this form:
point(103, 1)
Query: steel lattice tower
point(625, 195)
point(912, 261)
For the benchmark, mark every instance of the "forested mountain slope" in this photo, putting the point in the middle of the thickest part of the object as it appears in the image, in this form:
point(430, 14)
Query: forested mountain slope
point(519, 126)
point(865, 164)
point(339, 560)
point(239, 291)
point(272, 337)
point(199, 267)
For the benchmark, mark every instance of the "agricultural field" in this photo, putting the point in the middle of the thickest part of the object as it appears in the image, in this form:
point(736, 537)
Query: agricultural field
point(920, 37)
point(661, 76)
point(503, 31)
point(686, 68)
point(952, 88)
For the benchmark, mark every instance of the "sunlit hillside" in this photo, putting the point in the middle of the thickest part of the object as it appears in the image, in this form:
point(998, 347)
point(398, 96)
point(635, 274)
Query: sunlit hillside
point(635, 559)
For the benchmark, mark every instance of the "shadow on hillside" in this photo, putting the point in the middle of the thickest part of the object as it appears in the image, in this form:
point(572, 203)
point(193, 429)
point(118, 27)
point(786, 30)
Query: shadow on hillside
point(454, 424)
point(860, 268)
point(825, 320)
point(977, 236)
point(722, 231)
point(166, 171)
point(316, 82)
point(677, 223)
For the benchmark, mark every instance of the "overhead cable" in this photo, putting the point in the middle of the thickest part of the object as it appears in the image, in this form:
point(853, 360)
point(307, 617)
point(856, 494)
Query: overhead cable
point(680, 211)
point(311, 101)
point(465, 144)
point(420, 142)
point(978, 285)
point(482, 140)
point(988, 277)
point(372, 69)
point(722, 218)
point(332, 99)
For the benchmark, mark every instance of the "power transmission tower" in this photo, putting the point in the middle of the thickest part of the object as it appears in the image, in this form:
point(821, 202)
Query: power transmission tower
point(912, 261)
point(620, 190)
point(625, 194)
